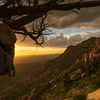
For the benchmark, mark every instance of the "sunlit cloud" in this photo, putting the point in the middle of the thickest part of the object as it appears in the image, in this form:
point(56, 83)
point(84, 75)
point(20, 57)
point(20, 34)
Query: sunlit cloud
point(60, 40)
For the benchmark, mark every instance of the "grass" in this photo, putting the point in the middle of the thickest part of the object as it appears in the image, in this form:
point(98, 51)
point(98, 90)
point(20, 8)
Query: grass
point(25, 80)
point(79, 97)
point(12, 88)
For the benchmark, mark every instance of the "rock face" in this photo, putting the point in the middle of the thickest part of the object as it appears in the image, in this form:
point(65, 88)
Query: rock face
point(94, 95)
point(93, 52)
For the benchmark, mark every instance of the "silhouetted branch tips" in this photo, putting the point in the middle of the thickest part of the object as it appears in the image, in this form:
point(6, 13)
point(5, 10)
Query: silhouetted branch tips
point(35, 3)
point(24, 38)
point(39, 28)
point(75, 11)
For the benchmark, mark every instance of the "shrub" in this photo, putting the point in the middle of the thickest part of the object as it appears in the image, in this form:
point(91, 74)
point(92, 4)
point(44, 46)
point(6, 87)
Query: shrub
point(96, 83)
point(79, 97)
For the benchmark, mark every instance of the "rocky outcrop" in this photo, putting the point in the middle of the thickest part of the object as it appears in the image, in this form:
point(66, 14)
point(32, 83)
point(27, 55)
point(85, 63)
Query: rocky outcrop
point(59, 98)
point(73, 92)
point(83, 75)
point(79, 71)
point(94, 95)
point(31, 95)
point(86, 57)
point(93, 52)
point(72, 77)
point(97, 56)
point(69, 99)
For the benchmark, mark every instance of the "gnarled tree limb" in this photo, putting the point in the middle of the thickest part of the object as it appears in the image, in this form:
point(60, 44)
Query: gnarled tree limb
point(30, 13)
point(39, 11)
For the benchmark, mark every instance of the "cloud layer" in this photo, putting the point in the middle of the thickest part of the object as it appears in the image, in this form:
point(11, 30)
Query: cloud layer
point(60, 40)
point(88, 18)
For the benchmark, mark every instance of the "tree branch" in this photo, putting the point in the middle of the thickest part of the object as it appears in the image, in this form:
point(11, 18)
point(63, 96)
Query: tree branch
point(39, 29)
point(39, 11)
point(31, 13)
point(45, 7)
point(36, 3)
point(9, 2)
point(78, 5)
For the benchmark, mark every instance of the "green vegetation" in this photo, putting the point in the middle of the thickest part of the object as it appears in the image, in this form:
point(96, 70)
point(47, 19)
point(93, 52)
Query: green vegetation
point(12, 88)
point(79, 97)
point(96, 82)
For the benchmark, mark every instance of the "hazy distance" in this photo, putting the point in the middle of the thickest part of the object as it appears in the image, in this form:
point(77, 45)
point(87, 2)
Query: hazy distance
point(34, 58)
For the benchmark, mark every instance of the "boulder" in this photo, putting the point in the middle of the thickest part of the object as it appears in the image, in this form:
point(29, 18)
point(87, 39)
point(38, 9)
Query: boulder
point(77, 60)
point(7, 36)
point(94, 95)
point(59, 98)
point(73, 91)
point(73, 85)
point(69, 99)
point(83, 75)
point(97, 57)
point(72, 77)
point(93, 76)
point(31, 95)
point(79, 71)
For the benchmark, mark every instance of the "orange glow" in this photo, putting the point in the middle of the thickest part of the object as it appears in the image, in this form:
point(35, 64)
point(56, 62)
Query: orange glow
point(36, 51)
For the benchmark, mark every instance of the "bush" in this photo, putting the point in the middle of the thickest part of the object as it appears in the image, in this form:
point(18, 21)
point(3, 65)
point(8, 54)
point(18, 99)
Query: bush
point(96, 83)
point(79, 97)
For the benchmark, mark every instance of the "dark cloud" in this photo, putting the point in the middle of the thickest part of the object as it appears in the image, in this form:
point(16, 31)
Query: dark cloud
point(87, 18)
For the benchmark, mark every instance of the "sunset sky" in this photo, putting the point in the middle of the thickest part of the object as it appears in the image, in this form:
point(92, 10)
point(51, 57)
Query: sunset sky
point(69, 28)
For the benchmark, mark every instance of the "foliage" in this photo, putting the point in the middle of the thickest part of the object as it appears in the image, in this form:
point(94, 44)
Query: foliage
point(96, 83)
point(80, 97)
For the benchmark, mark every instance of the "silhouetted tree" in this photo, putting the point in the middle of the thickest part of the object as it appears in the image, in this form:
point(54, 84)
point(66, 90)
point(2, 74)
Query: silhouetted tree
point(18, 13)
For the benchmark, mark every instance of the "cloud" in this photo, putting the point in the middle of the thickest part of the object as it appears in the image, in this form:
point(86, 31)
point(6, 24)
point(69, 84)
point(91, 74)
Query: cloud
point(60, 40)
point(88, 18)
point(75, 38)
point(56, 41)
point(90, 34)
